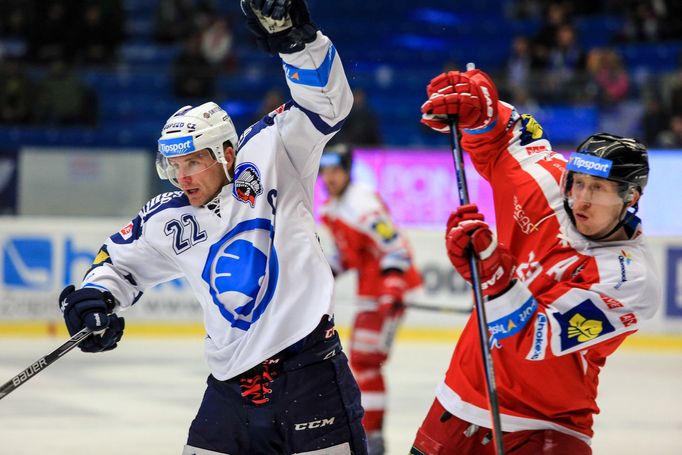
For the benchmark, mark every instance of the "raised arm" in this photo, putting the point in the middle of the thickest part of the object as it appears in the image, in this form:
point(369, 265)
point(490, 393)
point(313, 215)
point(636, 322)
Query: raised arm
point(322, 98)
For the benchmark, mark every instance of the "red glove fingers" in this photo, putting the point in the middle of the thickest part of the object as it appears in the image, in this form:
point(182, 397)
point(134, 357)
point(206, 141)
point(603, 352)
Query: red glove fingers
point(464, 212)
point(495, 261)
point(471, 97)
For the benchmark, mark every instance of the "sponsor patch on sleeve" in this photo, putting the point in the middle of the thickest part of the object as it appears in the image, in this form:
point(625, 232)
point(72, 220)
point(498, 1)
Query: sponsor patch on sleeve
point(581, 324)
point(539, 346)
point(384, 230)
point(127, 231)
point(512, 323)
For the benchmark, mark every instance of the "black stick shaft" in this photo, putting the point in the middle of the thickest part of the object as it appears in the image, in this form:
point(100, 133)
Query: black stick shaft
point(42, 363)
point(478, 299)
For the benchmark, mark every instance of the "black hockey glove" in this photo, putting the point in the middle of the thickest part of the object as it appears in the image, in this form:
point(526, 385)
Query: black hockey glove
point(280, 26)
point(89, 307)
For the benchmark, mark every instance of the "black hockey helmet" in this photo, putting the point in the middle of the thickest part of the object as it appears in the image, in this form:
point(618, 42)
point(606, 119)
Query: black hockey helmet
point(629, 158)
point(337, 155)
point(619, 159)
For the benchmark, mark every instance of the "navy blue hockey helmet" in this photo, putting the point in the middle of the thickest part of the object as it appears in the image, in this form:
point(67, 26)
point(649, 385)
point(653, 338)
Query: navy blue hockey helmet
point(337, 155)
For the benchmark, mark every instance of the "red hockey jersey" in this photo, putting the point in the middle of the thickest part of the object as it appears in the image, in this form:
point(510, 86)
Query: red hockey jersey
point(574, 303)
point(367, 240)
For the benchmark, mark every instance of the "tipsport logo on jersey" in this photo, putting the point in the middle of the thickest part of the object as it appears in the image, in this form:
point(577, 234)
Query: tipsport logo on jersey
point(241, 271)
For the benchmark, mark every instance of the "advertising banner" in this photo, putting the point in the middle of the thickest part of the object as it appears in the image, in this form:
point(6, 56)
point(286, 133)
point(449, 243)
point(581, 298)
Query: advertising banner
point(40, 256)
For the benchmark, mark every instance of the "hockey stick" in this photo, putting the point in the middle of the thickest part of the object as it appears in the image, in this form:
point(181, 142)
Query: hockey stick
point(43, 362)
point(478, 294)
point(441, 309)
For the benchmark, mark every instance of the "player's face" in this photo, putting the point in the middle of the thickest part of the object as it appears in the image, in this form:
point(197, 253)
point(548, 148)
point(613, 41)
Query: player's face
point(335, 179)
point(596, 204)
point(200, 176)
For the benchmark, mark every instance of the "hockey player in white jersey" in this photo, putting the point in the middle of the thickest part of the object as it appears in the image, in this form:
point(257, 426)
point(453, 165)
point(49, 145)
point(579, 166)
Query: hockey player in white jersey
point(242, 233)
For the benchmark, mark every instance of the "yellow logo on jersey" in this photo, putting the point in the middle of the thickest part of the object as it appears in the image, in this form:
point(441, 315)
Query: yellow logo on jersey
point(385, 230)
point(101, 257)
point(584, 329)
point(532, 126)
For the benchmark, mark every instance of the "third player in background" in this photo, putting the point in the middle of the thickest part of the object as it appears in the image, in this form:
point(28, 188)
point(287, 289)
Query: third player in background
point(368, 242)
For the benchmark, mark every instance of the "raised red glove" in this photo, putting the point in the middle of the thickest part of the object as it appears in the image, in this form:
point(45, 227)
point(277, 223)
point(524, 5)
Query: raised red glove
point(391, 297)
point(468, 232)
point(470, 97)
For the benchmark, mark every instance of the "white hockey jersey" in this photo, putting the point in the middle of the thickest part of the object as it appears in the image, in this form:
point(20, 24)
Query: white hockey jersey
point(251, 256)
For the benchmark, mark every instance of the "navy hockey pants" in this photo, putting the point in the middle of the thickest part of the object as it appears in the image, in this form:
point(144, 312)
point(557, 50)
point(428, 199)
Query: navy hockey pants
point(301, 401)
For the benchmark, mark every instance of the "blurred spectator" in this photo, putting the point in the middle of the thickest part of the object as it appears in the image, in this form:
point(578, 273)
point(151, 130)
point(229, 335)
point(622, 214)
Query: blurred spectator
point(361, 127)
point(16, 18)
point(100, 32)
point(565, 61)
point(16, 93)
point(672, 137)
point(609, 81)
point(63, 99)
point(176, 19)
point(523, 102)
point(52, 37)
point(216, 44)
point(675, 104)
point(271, 101)
point(546, 38)
point(173, 20)
point(525, 9)
point(193, 75)
point(520, 63)
point(654, 120)
point(642, 20)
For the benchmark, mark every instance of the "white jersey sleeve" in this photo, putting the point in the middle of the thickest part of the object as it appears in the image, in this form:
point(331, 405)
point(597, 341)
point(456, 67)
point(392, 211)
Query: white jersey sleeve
point(251, 256)
point(127, 263)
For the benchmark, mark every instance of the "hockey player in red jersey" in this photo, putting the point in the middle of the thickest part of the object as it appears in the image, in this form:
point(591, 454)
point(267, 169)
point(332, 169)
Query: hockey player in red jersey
point(566, 279)
point(367, 241)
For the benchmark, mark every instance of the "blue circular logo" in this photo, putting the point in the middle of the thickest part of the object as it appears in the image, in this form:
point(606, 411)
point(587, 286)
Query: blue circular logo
point(241, 278)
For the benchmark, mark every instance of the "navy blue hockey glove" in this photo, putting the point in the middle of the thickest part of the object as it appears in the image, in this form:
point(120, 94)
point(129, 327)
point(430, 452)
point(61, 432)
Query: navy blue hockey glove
point(280, 26)
point(89, 307)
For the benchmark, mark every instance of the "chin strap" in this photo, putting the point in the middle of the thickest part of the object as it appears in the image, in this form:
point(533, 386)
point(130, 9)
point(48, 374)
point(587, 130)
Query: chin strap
point(625, 216)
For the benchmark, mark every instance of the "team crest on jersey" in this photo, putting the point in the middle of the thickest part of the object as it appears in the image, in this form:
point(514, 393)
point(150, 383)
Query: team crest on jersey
point(241, 271)
point(247, 184)
point(531, 130)
point(384, 230)
point(581, 324)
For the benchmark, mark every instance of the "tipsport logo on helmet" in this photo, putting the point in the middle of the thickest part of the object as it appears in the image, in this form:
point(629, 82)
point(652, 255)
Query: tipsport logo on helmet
point(588, 164)
point(176, 146)
point(241, 271)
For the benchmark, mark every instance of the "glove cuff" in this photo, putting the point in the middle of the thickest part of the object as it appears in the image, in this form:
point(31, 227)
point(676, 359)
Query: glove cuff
point(292, 40)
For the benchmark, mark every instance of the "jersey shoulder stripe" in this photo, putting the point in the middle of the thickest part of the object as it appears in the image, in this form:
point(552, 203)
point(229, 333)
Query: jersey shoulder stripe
point(260, 125)
point(321, 126)
point(172, 199)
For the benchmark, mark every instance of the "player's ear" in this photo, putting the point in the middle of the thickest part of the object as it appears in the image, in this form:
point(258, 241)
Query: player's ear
point(229, 155)
point(634, 198)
